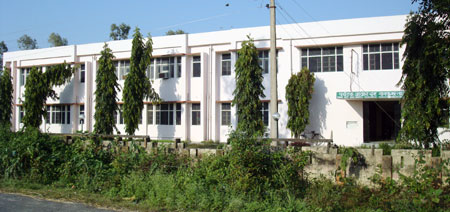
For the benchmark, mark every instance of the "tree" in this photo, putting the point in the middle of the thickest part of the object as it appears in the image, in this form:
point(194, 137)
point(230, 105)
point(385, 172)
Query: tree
point(56, 40)
point(6, 97)
point(137, 85)
point(26, 42)
point(105, 93)
point(298, 93)
point(178, 32)
point(249, 89)
point(39, 87)
point(425, 73)
point(119, 32)
point(3, 49)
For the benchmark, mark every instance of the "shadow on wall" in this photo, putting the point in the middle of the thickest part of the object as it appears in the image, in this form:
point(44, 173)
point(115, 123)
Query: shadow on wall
point(318, 108)
point(169, 87)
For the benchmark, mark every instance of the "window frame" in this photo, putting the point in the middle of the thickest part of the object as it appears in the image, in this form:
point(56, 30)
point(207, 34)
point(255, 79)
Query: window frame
point(338, 58)
point(196, 60)
point(163, 112)
point(196, 112)
point(369, 50)
point(225, 114)
point(83, 73)
point(265, 112)
point(227, 61)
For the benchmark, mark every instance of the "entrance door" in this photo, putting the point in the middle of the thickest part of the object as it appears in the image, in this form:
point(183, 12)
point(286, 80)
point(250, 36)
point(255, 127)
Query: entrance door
point(381, 120)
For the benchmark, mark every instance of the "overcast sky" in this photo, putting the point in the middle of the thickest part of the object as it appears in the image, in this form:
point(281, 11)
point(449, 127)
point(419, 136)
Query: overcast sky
point(89, 21)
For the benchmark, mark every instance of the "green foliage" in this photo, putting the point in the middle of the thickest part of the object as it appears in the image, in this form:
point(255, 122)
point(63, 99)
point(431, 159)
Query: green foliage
point(353, 154)
point(106, 93)
point(3, 49)
point(164, 181)
point(26, 42)
point(177, 32)
point(425, 73)
point(137, 85)
point(298, 93)
point(6, 97)
point(249, 89)
point(56, 40)
point(39, 87)
point(119, 32)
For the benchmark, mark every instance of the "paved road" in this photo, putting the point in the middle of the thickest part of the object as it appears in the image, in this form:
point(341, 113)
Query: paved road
point(13, 202)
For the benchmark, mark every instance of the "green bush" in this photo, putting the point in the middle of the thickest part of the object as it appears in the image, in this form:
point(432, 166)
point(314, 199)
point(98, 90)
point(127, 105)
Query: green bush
point(250, 177)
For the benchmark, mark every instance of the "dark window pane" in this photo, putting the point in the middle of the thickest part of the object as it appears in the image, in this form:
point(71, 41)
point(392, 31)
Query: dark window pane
point(365, 48)
point(304, 52)
point(340, 63)
point(68, 114)
point(387, 60)
point(386, 47)
point(328, 51)
point(365, 62)
point(195, 106)
point(304, 62)
point(226, 56)
point(196, 58)
point(314, 51)
point(315, 64)
point(395, 46)
point(329, 63)
point(374, 61)
point(226, 106)
point(374, 47)
point(197, 70)
point(396, 61)
point(339, 50)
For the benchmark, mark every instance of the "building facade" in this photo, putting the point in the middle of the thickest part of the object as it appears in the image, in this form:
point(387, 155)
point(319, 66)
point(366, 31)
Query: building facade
point(357, 64)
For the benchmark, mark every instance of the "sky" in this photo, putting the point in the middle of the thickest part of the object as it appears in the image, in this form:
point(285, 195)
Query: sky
point(89, 21)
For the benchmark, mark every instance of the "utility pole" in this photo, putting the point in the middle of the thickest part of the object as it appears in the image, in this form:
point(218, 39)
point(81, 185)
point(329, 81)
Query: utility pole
point(273, 74)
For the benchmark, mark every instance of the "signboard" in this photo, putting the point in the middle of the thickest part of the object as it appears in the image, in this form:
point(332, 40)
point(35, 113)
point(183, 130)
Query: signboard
point(370, 95)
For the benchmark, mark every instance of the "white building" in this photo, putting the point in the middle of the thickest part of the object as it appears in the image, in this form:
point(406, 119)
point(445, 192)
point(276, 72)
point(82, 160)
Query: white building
point(357, 64)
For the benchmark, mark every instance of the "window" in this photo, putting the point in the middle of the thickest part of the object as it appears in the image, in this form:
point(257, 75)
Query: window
point(264, 61)
point(82, 112)
point(58, 114)
point(196, 66)
point(118, 115)
point(265, 113)
point(150, 114)
point(122, 68)
point(24, 72)
point(165, 67)
point(178, 66)
point(151, 71)
point(226, 64)
point(329, 59)
point(178, 114)
point(226, 114)
point(164, 114)
point(196, 114)
point(383, 56)
point(21, 114)
point(82, 73)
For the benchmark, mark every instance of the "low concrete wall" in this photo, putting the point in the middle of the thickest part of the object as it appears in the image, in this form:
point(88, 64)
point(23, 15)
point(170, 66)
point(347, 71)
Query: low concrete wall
point(325, 161)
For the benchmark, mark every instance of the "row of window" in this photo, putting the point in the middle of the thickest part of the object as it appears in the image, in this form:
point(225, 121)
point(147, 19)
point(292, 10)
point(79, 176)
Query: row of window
point(56, 114)
point(60, 114)
point(383, 56)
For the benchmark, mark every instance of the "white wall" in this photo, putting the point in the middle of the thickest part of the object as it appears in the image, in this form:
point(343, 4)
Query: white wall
point(329, 115)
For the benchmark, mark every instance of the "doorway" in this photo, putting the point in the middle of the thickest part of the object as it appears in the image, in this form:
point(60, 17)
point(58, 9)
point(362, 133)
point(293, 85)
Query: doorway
point(381, 120)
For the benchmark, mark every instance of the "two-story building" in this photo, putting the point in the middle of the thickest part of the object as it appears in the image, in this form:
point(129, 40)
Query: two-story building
point(357, 64)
